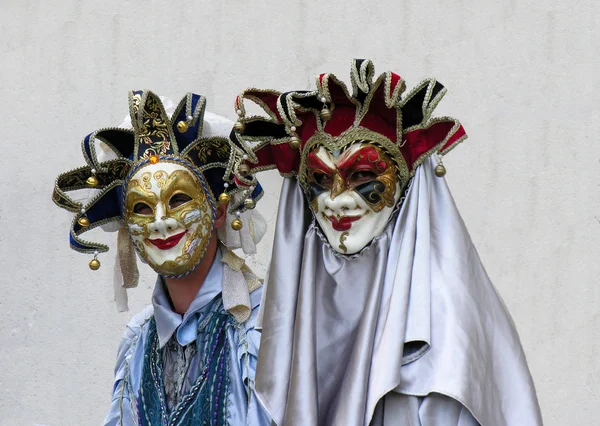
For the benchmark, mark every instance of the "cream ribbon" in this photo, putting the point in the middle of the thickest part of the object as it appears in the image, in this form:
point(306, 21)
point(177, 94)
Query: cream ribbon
point(238, 282)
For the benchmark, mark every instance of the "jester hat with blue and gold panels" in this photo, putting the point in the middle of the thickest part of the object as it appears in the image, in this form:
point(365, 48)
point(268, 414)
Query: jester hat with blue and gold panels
point(175, 142)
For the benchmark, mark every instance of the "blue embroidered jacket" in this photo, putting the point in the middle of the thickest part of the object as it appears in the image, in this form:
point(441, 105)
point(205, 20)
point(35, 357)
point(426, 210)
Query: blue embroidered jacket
point(158, 324)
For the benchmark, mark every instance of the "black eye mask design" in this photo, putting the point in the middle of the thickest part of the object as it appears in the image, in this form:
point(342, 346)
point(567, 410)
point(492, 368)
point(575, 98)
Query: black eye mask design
point(314, 190)
point(371, 192)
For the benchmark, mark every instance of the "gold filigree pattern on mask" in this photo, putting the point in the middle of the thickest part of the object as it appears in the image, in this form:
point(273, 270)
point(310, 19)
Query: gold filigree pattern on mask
point(146, 181)
point(343, 237)
point(160, 177)
point(389, 178)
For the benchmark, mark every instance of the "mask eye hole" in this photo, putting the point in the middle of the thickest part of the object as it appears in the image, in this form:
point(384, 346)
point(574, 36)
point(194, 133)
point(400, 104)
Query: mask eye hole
point(143, 209)
point(179, 200)
point(362, 176)
point(324, 180)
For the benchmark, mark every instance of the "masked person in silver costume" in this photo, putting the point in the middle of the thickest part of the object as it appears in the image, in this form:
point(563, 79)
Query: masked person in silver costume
point(377, 309)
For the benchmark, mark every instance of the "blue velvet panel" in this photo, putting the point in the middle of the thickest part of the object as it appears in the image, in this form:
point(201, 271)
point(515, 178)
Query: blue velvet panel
point(191, 134)
point(108, 206)
point(87, 149)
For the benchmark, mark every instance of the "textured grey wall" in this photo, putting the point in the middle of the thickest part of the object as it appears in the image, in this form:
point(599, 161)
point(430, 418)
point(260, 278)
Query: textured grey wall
point(522, 77)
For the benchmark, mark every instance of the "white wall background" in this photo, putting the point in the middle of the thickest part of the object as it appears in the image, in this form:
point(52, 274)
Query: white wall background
point(522, 76)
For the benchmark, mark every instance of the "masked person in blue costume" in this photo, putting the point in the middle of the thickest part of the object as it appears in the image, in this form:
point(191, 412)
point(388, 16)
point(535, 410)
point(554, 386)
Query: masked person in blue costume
point(377, 309)
point(170, 186)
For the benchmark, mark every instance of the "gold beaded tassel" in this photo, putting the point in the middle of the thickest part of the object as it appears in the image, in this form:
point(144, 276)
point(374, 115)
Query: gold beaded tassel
point(127, 259)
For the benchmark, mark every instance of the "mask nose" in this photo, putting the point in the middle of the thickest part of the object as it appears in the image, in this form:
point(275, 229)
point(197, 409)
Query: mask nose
point(162, 224)
point(338, 186)
point(343, 201)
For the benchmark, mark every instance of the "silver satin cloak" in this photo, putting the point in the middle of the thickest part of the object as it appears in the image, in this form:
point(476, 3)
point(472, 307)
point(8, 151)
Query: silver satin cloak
point(414, 313)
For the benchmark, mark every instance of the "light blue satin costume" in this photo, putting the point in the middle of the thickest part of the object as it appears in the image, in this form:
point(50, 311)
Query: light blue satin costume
point(243, 407)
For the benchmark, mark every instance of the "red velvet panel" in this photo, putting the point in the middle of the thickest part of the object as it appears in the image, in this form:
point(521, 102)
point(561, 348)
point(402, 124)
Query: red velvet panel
point(269, 99)
point(455, 137)
point(422, 140)
point(286, 159)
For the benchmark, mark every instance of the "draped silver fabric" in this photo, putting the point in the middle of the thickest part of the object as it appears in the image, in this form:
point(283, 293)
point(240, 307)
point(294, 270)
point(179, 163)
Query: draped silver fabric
point(413, 313)
point(432, 410)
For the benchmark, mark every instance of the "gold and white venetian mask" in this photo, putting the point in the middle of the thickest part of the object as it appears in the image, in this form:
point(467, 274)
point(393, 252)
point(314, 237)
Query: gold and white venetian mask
point(353, 192)
point(169, 213)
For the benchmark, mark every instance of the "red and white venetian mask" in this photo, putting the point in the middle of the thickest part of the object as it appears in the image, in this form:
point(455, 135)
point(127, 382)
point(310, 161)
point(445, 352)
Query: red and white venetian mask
point(352, 192)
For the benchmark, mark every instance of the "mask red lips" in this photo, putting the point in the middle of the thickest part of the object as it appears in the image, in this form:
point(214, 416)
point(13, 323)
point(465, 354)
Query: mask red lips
point(169, 242)
point(342, 223)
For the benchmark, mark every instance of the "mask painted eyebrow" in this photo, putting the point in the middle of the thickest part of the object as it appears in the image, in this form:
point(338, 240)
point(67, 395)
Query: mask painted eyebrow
point(315, 163)
point(179, 182)
point(136, 194)
point(367, 158)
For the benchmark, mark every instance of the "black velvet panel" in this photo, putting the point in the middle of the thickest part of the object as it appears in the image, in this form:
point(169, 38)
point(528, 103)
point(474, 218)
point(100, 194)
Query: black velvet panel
point(261, 128)
point(214, 179)
point(360, 95)
point(233, 138)
point(309, 102)
point(412, 111)
point(121, 140)
point(284, 104)
point(436, 89)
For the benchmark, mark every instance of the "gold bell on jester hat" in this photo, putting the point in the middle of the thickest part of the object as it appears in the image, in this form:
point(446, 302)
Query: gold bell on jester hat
point(236, 224)
point(94, 264)
point(249, 203)
point(239, 127)
point(325, 113)
point(92, 181)
point(294, 142)
point(224, 198)
point(244, 169)
point(182, 127)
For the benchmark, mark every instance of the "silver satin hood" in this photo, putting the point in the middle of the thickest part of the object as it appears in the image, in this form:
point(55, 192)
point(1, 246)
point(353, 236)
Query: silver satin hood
point(413, 313)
